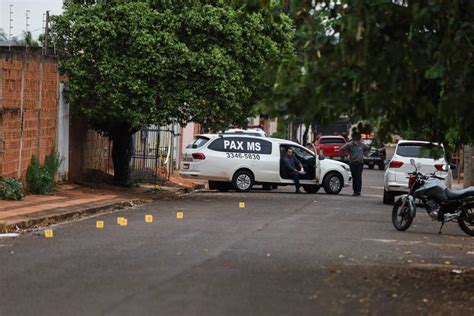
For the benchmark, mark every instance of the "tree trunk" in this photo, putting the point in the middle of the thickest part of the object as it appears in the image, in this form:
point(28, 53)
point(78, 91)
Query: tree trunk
point(468, 167)
point(121, 156)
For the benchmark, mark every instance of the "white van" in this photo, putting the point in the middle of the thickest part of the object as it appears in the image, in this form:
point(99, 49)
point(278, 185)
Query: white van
point(241, 161)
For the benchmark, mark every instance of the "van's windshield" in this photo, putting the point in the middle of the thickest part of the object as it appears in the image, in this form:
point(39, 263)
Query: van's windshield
point(198, 142)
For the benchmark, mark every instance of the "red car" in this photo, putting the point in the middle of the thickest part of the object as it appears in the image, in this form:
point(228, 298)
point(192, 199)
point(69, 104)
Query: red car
point(328, 146)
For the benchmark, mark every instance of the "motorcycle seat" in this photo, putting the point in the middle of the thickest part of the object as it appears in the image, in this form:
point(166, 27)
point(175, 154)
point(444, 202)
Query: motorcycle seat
point(459, 194)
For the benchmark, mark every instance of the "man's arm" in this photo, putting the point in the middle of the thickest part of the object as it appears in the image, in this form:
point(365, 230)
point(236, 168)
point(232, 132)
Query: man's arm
point(344, 148)
point(366, 149)
point(286, 162)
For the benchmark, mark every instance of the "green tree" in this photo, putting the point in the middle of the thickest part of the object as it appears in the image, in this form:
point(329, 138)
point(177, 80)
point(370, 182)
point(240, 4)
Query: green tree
point(28, 40)
point(131, 64)
point(409, 64)
point(3, 35)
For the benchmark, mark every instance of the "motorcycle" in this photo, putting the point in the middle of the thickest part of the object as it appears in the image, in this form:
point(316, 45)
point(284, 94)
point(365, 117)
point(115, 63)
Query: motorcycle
point(441, 203)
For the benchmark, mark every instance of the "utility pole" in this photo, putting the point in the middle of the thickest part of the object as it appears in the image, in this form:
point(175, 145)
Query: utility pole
point(46, 33)
point(10, 27)
point(27, 18)
point(27, 15)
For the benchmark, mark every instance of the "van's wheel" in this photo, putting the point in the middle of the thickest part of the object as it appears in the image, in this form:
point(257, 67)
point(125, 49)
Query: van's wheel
point(371, 166)
point(311, 188)
point(243, 181)
point(222, 186)
point(267, 187)
point(381, 166)
point(388, 197)
point(333, 183)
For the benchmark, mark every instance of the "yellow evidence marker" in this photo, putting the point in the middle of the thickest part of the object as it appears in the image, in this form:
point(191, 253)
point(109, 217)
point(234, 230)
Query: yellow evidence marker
point(99, 224)
point(242, 205)
point(48, 233)
point(179, 215)
point(149, 218)
point(119, 220)
point(124, 222)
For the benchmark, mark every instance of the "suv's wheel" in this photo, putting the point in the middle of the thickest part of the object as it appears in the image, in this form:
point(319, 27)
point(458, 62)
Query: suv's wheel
point(388, 197)
point(242, 181)
point(333, 183)
point(311, 188)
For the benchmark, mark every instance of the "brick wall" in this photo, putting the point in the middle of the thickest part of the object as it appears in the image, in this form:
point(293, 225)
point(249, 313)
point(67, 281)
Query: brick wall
point(28, 109)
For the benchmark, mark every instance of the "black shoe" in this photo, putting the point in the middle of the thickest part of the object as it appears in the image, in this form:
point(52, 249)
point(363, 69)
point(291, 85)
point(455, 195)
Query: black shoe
point(354, 194)
point(358, 193)
point(298, 191)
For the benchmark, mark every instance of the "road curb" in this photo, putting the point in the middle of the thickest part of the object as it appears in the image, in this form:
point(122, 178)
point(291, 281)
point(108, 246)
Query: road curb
point(76, 214)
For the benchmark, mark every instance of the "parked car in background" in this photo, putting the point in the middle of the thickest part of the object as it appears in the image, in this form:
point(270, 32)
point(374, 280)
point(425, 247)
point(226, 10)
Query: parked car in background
point(376, 156)
point(429, 158)
point(328, 146)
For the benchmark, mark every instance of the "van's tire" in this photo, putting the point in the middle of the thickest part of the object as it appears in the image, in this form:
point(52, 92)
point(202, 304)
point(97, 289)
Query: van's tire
point(311, 188)
point(243, 181)
point(223, 186)
point(371, 166)
point(333, 183)
point(267, 187)
point(381, 166)
point(388, 197)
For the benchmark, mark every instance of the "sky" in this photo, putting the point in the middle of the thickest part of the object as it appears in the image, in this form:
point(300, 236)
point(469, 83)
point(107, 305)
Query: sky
point(37, 9)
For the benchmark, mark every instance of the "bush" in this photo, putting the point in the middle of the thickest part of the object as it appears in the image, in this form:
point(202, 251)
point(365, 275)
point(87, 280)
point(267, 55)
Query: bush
point(40, 179)
point(11, 189)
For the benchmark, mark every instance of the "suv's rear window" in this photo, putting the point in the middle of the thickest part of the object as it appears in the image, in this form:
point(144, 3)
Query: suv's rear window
point(198, 142)
point(415, 150)
point(332, 140)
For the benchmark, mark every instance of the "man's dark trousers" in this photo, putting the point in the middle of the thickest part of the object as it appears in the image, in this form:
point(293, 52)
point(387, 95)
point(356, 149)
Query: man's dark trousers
point(356, 170)
point(296, 179)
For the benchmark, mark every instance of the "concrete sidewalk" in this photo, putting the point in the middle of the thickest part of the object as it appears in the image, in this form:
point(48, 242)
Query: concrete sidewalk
point(73, 201)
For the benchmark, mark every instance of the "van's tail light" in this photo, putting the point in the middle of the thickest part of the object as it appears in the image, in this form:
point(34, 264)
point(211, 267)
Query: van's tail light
point(411, 181)
point(199, 156)
point(439, 167)
point(395, 164)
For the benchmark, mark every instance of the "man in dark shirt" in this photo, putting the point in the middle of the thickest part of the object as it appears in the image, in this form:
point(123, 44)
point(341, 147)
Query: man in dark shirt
point(357, 150)
point(293, 167)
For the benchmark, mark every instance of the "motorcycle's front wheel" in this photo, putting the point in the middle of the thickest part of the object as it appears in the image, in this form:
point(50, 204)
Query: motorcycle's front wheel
point(401, 218)
point(466, 221)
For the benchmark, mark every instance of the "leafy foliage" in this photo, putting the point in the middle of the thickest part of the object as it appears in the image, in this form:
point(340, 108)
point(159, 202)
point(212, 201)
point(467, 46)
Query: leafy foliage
point(11, 189)
point(408, 63)
point(41, 179)
point(134, 63)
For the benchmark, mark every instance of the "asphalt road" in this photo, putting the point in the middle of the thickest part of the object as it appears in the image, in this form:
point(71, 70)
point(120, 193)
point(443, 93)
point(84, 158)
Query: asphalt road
point(283, 254)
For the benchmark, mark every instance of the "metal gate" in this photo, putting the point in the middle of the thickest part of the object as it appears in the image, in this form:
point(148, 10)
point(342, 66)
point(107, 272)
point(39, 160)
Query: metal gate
point(152, 154)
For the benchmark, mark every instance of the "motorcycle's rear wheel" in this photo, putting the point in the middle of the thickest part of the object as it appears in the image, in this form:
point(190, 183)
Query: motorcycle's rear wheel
point(401, 218)
point(466, 221)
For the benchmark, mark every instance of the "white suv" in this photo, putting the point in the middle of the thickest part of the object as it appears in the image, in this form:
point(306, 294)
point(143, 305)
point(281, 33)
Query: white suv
point(240, 161)
point(429, 157)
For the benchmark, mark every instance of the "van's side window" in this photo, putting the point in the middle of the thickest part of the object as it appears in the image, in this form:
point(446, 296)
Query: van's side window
point(242, 145)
